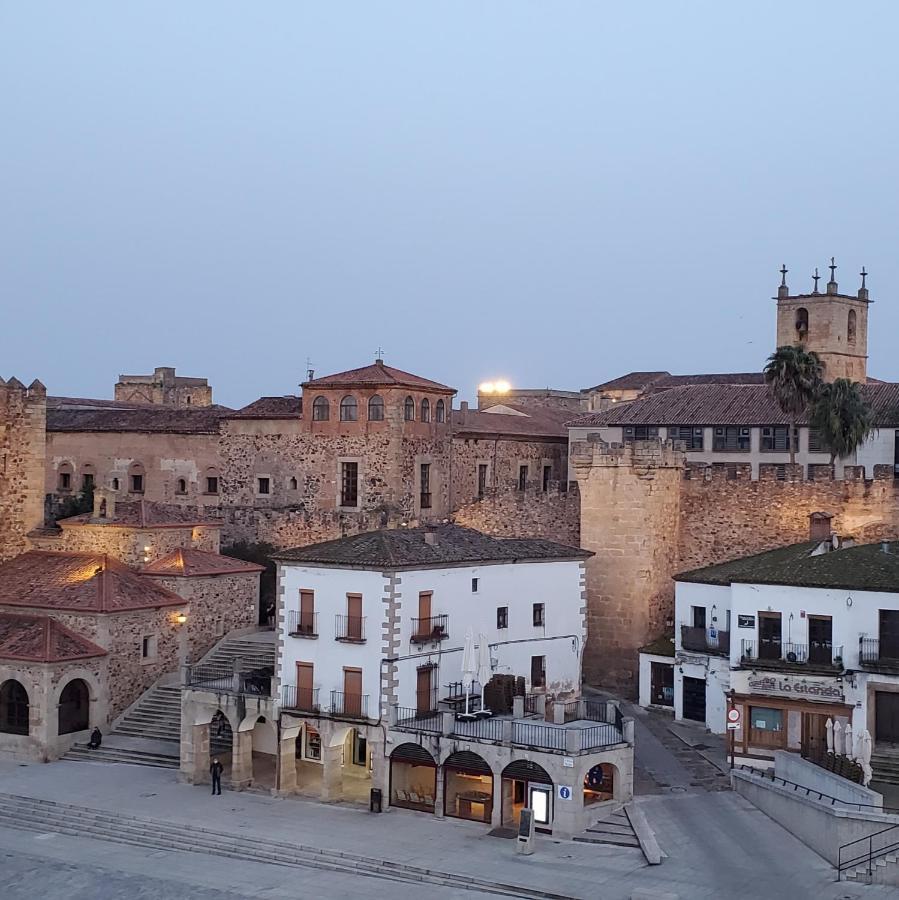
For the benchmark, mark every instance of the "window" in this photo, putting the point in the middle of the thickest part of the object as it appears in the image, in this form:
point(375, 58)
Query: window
point(538, 615)
point(349, 484)
point(148, 646)
point(776, 437)
point(425, 410)
point(425, 484)
point(538, 672)
point(690, 435)
point(640, 433)
point(547, 477)
point(440, 411)
point(409, 410)
point(731, 438)
point(502, 617)
point(850, 327)
point(348, 409)
point(474, 585)
point(698, 616)
point(263, 485)
point(482, 480)
point(65, 481)
point(802, 324)
point(814, 441)
point(87, 481)
point(522, 478)
point(137, 484)
point(115, 484)
point(376, 409)
point(13, 708)
point(182, 485)
point(321, 409)
point(212, 484)
point(292, 484)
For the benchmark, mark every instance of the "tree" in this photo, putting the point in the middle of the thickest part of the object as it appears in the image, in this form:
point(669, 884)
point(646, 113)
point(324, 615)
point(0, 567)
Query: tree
point(793, 375)
point(842, 418)
point(75, 506)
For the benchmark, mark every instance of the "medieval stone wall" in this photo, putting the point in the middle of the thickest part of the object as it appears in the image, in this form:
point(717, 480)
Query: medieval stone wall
point(23, 424)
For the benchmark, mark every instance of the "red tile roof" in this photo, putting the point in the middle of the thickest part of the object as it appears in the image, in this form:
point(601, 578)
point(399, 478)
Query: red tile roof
point(188, 563)
point(377, 374)
point(540, 424)
point(42, 639)
point(107, 415)
point(633, 381)
point(289, 407)
point(82, 582)
point(144, 514)
point(724, 404)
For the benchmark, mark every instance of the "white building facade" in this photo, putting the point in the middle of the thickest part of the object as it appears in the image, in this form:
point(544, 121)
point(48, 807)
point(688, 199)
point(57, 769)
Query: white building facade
point(791, 638)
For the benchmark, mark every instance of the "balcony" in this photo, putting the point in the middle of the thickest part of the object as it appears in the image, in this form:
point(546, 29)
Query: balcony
point(349, 629)
point(300, 699)
point(697, 640)
point(302, 624)
point(818, 657)
point(349, 706)
point(434, 628)
point(878, 656)
point(222, 679)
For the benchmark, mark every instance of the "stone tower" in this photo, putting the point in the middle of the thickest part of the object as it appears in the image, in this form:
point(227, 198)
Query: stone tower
point(832, 324)
point(630, 510)
point(23, 443)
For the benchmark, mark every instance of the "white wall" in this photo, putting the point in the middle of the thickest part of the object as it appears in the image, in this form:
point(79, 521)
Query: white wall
point(878, 449)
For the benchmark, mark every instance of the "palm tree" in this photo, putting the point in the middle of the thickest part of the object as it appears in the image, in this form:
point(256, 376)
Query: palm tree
point(842, 417)
point(793, 375)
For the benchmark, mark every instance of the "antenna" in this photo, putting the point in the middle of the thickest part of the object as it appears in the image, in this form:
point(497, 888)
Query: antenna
point(310, 372)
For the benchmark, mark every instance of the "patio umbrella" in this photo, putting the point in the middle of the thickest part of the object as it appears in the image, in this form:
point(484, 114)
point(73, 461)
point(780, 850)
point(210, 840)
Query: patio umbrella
point(847, 740)
point(828, 727)
point(469, 665)
point(865, 756)
point(837, 738)
point(484, 669)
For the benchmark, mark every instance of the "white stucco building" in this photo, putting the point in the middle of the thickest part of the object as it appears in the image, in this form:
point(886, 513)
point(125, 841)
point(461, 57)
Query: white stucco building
point(798, 635)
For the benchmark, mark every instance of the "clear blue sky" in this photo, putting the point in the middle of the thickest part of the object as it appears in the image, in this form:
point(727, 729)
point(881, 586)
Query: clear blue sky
point(555, 193)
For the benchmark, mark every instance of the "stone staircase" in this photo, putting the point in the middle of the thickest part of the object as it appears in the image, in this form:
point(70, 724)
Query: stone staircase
point(48, 816)
point(148, 733)
point(885, 765)
point(884, 870)
point(615, 829)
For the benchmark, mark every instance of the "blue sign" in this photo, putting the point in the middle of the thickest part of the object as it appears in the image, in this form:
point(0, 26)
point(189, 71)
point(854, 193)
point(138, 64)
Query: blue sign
point(564, 792)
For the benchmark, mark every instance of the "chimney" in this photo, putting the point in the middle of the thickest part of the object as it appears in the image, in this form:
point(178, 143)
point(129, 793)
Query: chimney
point(431, 535)
point(819, 526)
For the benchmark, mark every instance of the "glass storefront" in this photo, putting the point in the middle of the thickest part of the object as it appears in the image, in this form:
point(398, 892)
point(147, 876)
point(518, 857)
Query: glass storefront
point(468, 795)
point(413, 785)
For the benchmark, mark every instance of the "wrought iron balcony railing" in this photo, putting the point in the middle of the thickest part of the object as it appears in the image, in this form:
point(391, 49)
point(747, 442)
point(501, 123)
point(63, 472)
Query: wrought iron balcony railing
point(350, 629)
point(433, 628)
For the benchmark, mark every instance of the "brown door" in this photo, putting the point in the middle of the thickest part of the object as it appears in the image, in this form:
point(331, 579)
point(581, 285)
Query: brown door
point(424, 613)
point(352, 692)
point(423, 702)
point(886, 721)
point(814, 735)
point(354, 616)
point(304, 686)
point(769, 636)
point(889, 634)
point(820, 639)
point(307, 612)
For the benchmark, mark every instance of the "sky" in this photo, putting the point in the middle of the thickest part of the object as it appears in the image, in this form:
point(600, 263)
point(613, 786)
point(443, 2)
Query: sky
point(554, 193)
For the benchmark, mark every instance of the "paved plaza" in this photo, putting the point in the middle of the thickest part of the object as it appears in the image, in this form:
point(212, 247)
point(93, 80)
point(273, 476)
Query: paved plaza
point(716, 844)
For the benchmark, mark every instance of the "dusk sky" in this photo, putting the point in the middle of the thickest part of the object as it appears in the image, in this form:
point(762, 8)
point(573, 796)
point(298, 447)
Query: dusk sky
point(553, 193)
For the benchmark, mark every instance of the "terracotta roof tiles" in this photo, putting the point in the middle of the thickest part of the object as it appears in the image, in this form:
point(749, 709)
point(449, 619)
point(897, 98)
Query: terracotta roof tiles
point(42, 639)
point(378, 374)
point(186, 562)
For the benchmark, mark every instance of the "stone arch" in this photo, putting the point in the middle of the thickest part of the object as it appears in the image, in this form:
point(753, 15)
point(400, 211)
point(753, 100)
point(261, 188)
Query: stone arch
point(413, 778)
point(468, 787)
point(802, 324)
point(15, 707)
point(526, 783)
point(601, 782)
point(74, 707)
point(221, 734)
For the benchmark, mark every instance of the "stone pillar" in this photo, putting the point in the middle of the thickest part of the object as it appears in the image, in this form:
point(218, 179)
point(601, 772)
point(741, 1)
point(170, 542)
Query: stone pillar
point(287, 764)
point(242, 760)
point(518, 707)
point(540, 705)
point(438, 794)
point(380, 772)
point(628, 729)
point(195, 754)
point(496, 815)
point(558, 712)
point(332, 774)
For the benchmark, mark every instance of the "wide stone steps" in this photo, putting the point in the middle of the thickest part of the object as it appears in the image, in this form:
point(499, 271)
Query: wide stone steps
point(879, 868)
point(49, 816)
point(81, 753)
point(885, 767)
point(616, 829)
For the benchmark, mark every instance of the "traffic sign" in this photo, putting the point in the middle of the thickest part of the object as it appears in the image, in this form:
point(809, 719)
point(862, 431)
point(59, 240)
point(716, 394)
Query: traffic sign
point(733, 718)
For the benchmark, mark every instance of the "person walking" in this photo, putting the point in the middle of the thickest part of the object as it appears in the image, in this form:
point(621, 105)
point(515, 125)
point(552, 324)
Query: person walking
point(215, 770)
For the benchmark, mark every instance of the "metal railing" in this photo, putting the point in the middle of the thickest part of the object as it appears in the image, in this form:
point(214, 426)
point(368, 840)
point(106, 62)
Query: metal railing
point(223, 679)
point(542, 736)
point(406, 717)
point(349, 628)
point(867, 850)
point(432, 628)
point(353, 706)
point(211, 677)
point(604, 711)
point(571, 710)
point(302, 624)
point(871, 653)
point(699, 640)
point(481, 729)
point(600, 736)
point(302, 699)
point(530, 704)
point(783, 653)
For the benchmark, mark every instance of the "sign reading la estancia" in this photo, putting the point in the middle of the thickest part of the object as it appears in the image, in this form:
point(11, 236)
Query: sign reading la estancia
point(796, 688)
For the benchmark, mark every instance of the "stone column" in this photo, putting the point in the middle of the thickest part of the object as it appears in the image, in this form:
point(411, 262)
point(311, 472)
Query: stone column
point(195, 754)
point(287, 765)
point(332, 774)
point(496, 816)
point(380, 772)
point(242, 760)
point(438, 794)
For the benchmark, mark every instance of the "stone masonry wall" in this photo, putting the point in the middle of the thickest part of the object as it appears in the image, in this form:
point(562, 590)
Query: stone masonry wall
point(23, 435)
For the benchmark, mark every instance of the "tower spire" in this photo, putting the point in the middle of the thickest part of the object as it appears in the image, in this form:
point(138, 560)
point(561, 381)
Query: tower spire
point(832, 284)
point(816, 276)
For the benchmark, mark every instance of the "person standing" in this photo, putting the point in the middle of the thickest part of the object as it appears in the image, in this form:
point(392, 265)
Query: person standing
point(215, 770)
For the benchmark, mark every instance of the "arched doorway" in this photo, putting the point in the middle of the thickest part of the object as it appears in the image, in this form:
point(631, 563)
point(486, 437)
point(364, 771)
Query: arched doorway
point(265, 752)
point(467, 787)
point(309, 761)
point(599, 784)
point(74, 707)
point(528, 784)
point(413, 778)
point(357, 765)
point(13, 708)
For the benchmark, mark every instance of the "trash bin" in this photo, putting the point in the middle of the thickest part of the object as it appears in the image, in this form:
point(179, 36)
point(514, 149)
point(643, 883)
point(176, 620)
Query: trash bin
point(374, 801)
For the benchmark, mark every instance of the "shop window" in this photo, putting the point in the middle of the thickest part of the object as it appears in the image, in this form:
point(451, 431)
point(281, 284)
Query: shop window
point(467, 787)
point(413, 778)
point(766, 727)
point(312, 745)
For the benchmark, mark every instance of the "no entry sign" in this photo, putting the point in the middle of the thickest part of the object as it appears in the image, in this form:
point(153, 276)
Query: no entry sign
point(733, 718)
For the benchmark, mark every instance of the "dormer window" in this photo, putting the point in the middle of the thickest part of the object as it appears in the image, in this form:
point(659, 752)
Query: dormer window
point(409, 410)
point(321, 409)
point(348, 409)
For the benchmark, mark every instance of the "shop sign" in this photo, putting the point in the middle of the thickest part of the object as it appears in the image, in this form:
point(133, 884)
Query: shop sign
point(795, 688)
point(745, 621)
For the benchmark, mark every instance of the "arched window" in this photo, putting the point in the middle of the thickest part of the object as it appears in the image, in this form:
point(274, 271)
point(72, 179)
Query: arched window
point(321, 409)
point(440, 411)
point(348, 409)
point(426, 410)
point(88, 477)
point(850, 327)
point(136, 478)
point(292, 484)
point(802, 324)
point(13, 708)
point(376, 409)
point(409, 410)
point(212, 480)
point(182, 485)
point(64, 477)
point(115, 484)
point(599, 784)
point(74, 707)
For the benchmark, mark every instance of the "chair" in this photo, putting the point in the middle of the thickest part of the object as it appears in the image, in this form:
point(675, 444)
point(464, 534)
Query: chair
point(414, 797)
point(428, 799)
point(403, 796)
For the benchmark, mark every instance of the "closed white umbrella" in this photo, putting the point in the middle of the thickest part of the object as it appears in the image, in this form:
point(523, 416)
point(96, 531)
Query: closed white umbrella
point(469, 665)
point(484, 669)
point(837, 738)
point(847, 740)
point(865, 741)
point(828, 727)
